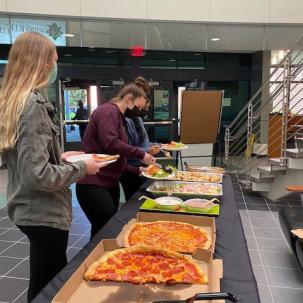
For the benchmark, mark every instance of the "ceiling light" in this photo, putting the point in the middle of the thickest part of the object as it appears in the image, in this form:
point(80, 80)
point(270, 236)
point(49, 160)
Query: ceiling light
point(172, 60)
point(69, 35)
point(197, 54)
point(215, 39)
point(67, 55)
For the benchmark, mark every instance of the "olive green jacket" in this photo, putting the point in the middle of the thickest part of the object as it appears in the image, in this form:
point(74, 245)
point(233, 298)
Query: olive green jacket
point(37, 192)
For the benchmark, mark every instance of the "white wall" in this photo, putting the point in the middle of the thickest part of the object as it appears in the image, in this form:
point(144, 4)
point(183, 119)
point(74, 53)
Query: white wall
point(235, 11)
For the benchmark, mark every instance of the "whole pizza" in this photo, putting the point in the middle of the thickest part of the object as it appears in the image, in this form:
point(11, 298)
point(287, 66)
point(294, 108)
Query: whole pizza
point(176, 236)
point(144, 264)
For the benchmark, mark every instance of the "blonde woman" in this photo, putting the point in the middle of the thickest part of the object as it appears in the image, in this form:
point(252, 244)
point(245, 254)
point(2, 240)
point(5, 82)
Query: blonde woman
point(39, 202)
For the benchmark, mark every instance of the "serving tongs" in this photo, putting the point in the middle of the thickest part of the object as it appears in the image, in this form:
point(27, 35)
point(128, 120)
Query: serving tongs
point(204, 296)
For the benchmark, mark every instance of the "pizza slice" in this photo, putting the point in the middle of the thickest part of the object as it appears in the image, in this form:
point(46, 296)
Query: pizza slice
point(105, 158)
point(176, 236)
point(144, 264)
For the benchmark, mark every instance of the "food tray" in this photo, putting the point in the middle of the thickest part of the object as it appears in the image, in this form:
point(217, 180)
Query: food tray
point(195, 189)
point(204, 177)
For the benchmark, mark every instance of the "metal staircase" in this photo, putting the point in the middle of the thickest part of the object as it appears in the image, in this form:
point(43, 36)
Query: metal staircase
point(264, 143)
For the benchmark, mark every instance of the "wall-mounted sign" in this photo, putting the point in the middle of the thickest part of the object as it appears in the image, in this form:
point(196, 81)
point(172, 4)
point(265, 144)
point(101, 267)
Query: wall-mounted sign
point(137, 51)
point(53, 29)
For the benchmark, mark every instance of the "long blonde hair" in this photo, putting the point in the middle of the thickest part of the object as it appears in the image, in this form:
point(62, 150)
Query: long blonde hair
point(28, 69)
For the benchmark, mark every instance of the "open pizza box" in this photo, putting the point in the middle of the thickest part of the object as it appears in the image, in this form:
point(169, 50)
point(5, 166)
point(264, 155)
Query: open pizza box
point(298, 232)
point(207, 223)
point(77, 290)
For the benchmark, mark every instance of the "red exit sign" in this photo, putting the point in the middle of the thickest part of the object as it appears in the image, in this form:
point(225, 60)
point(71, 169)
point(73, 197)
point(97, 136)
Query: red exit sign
point(137, 51)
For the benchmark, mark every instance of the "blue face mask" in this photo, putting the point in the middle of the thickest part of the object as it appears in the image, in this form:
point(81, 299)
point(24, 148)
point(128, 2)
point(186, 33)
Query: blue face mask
point(53, 75)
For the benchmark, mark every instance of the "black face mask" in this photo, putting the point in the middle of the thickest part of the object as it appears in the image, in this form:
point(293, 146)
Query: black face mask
point(132, 113)
point(144, 113)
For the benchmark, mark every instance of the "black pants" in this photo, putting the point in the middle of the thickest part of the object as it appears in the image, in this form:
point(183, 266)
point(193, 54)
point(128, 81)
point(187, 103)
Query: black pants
point(99, 204)
point(131, 183)
point(47, 255)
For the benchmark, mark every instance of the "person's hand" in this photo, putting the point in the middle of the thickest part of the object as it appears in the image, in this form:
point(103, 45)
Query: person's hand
point(149, 159)
point(93, 167)
point(154, 149)
point(65, 155)
point(142, 170)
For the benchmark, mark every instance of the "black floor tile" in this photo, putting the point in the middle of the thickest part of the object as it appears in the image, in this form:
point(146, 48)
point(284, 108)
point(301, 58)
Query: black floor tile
point(254, 200)
point(7, 264)
point(19, 250)
point(21, 271)
point(282, 295)
point(12, 235)
point(241, 206)
point(6, 223)
point(252, 206)
point(11, 288)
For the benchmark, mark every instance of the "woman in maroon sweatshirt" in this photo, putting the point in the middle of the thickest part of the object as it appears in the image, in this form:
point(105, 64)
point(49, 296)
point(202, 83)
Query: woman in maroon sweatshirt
point(99, 195)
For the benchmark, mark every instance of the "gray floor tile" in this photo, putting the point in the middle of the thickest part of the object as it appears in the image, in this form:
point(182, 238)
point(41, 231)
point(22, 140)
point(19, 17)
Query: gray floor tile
point(241, 206)
point(259, 274)
point(12, 235)
point(2, 230)
point(3, 212)
point(272, 245)
point(260, 214)
point(7, 264)
point(251, 243)
point(245, 221)
point(269, 233)
point(271, 223)
point(4, 245)
point(275, 214)
point(21, 271)
point(279, 259)
point(82, 219)
point(22, 298)
point(6, 223)
point(19, 250)
point(72, 239)
point(255, 200)
point(82, 242)
point(11, 288)
point(285, 277)
point(72, 252)
point(286, 295)
point(243, 213)
point(79, 228)
point(248, 232)
point(264, 294)
point(255, 257)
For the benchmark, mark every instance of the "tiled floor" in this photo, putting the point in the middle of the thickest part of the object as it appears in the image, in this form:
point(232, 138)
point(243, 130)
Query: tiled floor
point(276, 269)
point(277, 272)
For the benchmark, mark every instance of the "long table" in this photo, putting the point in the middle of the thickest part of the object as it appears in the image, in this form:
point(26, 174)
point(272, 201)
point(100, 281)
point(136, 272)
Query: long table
point(238, 277)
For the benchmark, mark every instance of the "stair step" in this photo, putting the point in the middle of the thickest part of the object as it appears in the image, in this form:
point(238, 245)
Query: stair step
point(266, 178)
point(270, 169)
point(275, 161)
point(294, 153)
point(261, 187)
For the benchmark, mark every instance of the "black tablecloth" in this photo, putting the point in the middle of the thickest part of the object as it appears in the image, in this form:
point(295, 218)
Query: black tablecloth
point(231, 246)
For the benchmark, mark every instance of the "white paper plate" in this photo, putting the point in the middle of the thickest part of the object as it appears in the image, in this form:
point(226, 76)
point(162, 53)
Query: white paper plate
point(83, 157)
point(174, 148)
point(158, 178)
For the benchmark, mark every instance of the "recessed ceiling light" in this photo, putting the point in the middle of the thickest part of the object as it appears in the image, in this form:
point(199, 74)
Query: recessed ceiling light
point(197, 54)
point(67, 55)
point(69, 35)
point(172, 60)
point(215, 39)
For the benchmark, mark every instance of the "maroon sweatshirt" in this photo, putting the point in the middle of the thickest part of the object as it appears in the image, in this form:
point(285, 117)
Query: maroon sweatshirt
point(106, 134)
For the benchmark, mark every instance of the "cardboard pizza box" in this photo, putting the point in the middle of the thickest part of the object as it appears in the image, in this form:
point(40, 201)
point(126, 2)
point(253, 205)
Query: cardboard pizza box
point(298, 232)
point(208, 224)
point(77, 290)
